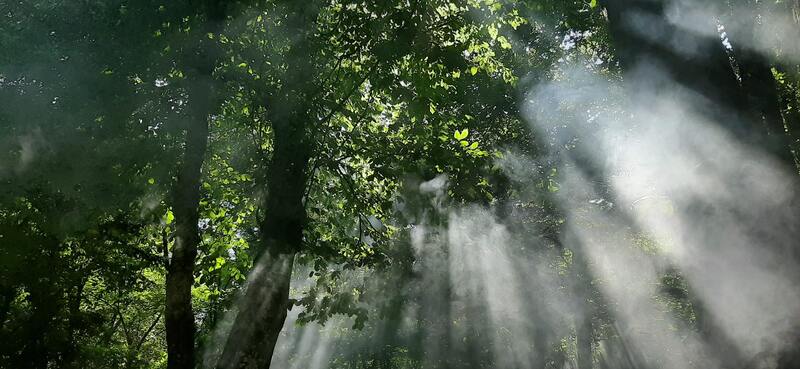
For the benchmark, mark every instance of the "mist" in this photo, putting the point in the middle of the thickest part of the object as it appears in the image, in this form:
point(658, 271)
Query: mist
point(604, 184)
point(653, 192)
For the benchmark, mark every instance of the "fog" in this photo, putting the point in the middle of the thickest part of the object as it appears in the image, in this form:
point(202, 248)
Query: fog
point(650, 189)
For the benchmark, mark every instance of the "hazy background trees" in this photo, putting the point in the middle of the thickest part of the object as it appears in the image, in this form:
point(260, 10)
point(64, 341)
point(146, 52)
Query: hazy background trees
point(399, 184)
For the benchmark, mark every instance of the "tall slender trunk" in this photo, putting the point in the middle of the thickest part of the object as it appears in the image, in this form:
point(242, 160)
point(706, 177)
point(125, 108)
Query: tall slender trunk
point(584, 342)
point(68, 357)
point(790, 109)
point(200, 60)
point(7, 294)
point(765, 105)
point(647, 42)
point(706, 71)
point(179, 318)
point(796, 10)
point(582, 287)
point(758, 85)
point(761, 90)
point(790, 104)
point(762, 93)
point(45, 301)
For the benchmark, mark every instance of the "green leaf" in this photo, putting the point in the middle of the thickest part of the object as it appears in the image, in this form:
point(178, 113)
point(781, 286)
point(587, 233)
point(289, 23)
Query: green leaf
point(151, 181)
point(492, 32)
point(473, 70)
point(504, 42)
point(460, 135)
point(593, 3)
point(169, 217)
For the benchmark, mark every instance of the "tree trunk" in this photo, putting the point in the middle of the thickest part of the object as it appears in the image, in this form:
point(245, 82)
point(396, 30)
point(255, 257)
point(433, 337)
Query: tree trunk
point(584, 342)
point(179, 317)
point(68, 357)
point(263, 307)
point(261, 314)
point(200, 60)
point(796, 11)
point(262, 310)
point(582, 288)
point(705, 71)
point(758, 84)
point(790, 108)
point(646, 42)
point(7, 294)
point(764, 103)
point(45, 302)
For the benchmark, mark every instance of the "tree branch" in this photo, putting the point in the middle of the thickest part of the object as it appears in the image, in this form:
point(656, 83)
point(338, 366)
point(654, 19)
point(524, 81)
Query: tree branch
point(147, 332)
point(344, 99)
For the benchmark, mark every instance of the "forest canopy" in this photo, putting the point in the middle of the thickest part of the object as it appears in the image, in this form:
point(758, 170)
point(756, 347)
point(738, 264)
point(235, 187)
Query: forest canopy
point(398, 184)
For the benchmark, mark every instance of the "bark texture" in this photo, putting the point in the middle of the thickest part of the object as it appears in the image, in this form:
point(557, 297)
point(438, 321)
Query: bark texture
point(263, 307)
point(179, 315)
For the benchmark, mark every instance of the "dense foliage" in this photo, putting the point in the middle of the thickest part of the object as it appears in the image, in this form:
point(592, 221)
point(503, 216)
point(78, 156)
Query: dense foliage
point(168, 168)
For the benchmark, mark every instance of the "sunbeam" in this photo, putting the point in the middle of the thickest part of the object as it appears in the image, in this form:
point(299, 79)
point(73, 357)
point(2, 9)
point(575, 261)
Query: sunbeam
point(400, 184)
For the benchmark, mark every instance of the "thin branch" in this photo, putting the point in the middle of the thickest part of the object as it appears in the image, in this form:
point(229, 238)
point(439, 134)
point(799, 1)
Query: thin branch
point(361, 204)
point(334, 70)
point(165, 246)
point(124, 328)
point(444, 22)
point(310, 182)
point(347, 97)
point(360, 229)
point(147, 332)
point(110, 332)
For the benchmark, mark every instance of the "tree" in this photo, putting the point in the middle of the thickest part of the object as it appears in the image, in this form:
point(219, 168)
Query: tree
point(364, 60)
point(695, 59)
point(199, 61)
point(396, 177)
